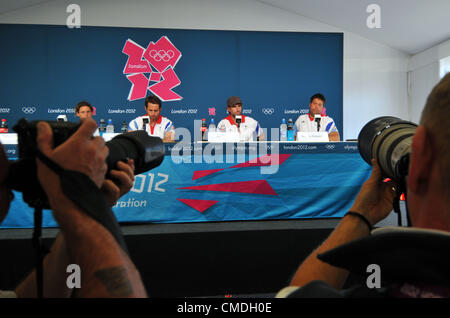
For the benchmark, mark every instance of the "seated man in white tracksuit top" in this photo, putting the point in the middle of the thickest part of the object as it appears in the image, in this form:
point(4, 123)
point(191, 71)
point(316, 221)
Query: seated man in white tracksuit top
point(248, 129)
point(154, 123)
point(308, 123)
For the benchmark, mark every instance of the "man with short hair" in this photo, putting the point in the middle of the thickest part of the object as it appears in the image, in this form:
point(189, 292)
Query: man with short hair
point(413, 261)
point(153, 122)
point(308, 123)
point(248, 129)
point(84, 110)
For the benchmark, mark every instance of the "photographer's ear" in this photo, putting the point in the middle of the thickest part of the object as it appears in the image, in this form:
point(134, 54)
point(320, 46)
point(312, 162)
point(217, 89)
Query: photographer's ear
point(44, 138)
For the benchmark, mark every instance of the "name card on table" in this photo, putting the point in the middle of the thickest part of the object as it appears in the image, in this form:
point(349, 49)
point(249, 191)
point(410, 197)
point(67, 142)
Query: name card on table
point(320, 136)
point(8, 139)
point(220, 136)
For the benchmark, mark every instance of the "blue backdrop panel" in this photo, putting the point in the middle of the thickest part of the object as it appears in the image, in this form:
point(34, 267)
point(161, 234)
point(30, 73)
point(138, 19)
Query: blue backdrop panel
point(46, 70)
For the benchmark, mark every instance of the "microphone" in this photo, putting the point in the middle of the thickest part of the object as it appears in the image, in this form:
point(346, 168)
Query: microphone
point(145, 123)
point(317, 119)
point(238, 120)
point(61, 118)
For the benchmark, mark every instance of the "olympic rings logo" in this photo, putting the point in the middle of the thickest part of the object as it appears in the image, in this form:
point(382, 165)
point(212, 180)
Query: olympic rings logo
point(162, 55)
point(330, 147)
point(268, 111)
point(29, 110)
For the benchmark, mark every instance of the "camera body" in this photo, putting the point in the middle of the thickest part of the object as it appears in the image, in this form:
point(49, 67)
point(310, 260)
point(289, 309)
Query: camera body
point(146, 151)
point(27, 134)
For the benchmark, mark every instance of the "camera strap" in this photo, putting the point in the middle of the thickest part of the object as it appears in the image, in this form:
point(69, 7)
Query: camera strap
point(79, 188)
point(41, 251)
point(396, 206)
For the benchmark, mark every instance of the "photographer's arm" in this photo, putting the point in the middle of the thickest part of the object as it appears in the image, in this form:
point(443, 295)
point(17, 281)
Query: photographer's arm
point(56, 262)
point(374, 201)
point(106, 270)
point(55, 265)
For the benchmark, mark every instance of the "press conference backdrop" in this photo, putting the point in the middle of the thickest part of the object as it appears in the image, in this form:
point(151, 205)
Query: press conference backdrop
point(46, 70)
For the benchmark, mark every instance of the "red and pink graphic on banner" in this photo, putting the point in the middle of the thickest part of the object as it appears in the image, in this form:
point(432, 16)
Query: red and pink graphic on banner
point(158, 60)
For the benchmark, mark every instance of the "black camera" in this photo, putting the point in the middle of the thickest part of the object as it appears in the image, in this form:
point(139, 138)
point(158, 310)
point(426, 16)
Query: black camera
point(146, 151)
point(388, 139)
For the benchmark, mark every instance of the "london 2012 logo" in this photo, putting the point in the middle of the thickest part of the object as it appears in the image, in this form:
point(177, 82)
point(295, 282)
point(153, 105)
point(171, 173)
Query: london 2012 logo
point(158, 60)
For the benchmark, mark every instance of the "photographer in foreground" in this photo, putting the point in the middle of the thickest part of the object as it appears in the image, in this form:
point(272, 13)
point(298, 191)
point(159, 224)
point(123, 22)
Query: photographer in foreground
point(412, 262)
point(106, 269)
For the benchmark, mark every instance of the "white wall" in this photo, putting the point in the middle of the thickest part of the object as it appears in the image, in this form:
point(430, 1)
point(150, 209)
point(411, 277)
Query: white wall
point(422, 80)
point(375, 76)
point(424, 74)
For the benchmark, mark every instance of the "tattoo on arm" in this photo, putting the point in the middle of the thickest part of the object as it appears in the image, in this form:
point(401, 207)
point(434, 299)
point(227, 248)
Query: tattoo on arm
point(115, 280)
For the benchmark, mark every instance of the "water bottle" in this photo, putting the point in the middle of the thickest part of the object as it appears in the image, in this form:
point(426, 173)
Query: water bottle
point(102, 127)
point(203, 129)
point(283, 130)
point(124, 128)
point(290, 130)
point(212, 127)
point(3, 126)
point(110, 127)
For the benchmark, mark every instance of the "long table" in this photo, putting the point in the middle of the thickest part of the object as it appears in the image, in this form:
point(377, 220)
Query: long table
point(206, 182)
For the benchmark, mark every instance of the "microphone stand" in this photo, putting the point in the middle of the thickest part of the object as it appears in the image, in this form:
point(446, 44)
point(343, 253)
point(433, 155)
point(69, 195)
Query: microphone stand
point(318, 123)
point(145, 123)
point(238, 122)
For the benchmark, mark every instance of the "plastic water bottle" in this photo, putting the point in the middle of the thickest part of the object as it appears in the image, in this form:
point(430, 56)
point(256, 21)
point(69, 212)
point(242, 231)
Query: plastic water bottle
point(290, 130)
point(3, 126)
point(102, 127)
point(283, 130)
point(110, 127)
point(211, 127)
point(124, 127)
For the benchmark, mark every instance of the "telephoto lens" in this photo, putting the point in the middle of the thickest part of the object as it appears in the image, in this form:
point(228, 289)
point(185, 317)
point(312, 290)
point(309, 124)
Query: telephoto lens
point(146, 151)
point(388, 140)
